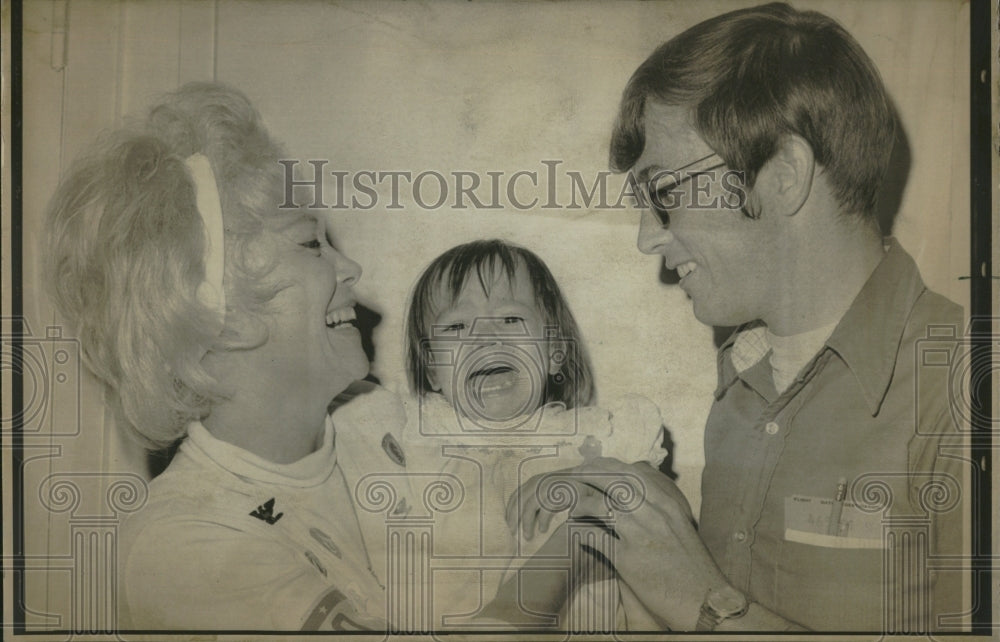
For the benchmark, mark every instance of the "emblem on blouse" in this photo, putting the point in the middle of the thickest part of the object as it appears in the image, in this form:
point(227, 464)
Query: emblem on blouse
point(265, 512)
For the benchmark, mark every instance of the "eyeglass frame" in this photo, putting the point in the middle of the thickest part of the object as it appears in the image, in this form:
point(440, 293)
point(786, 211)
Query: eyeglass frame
point(652, 188)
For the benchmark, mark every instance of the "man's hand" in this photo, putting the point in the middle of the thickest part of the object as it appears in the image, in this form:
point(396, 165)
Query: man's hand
point(656, 549)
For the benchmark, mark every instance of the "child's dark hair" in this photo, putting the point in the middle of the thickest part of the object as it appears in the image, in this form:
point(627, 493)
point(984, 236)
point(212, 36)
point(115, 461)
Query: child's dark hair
point(573, 385)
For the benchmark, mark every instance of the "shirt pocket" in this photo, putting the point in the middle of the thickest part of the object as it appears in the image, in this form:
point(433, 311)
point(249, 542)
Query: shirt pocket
point(830, 578)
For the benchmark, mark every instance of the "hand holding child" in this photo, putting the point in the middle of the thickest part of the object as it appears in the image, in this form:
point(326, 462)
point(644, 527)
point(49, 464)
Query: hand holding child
point(655, 550)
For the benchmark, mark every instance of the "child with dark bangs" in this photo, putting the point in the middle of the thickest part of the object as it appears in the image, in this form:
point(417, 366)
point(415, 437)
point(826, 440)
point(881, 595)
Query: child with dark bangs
point(502, 389)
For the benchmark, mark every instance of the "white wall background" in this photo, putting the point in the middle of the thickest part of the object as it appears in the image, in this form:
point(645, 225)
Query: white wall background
point(451, 86)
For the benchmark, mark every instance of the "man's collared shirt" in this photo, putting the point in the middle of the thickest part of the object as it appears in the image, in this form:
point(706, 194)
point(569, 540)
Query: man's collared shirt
point(831, 503)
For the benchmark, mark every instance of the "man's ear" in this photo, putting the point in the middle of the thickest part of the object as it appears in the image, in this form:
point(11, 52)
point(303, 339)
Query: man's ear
point(785, 181)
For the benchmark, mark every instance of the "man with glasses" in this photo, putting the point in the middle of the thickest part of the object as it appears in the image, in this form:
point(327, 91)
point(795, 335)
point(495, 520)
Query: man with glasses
point(762, 137)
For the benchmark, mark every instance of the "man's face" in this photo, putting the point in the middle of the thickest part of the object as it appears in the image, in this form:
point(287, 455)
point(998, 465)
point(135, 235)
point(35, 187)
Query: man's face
point(727, 261)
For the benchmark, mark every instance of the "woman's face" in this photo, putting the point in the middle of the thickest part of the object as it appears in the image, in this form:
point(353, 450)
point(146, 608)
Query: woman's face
point(313, 351)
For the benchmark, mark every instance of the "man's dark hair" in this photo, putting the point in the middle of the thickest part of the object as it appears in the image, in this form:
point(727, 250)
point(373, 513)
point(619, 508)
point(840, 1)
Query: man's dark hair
point(755, 75)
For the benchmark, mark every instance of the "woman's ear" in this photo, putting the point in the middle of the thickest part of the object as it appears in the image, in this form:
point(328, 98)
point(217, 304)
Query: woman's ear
point(785, 181)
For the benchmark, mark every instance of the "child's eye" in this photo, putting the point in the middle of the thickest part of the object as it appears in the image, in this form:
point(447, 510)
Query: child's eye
point(314, 244)
point(513, 319)
point(458, 326)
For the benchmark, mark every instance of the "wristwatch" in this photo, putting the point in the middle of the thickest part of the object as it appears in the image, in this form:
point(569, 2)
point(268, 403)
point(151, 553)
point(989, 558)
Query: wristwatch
point(720, 604)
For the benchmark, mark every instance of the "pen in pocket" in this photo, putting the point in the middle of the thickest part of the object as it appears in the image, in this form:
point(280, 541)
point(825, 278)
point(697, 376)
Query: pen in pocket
point(833, 526)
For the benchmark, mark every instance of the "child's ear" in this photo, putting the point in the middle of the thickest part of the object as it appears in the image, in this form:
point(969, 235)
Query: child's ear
point(428, 368)
point(432, 380)
point(557, 356)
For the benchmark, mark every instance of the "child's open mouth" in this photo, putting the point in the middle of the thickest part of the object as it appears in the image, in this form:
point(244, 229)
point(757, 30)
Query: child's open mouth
point(493, 380)
point(499, 391)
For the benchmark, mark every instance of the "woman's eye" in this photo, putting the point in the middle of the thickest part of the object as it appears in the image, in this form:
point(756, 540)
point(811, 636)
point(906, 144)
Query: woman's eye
point(513, 319)
point(458, 326)
point(312, 245)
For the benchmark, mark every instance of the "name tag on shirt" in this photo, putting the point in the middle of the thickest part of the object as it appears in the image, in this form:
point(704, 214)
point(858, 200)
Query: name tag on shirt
point(814, 521)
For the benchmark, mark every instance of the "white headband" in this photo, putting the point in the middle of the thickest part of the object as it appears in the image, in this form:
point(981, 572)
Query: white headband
point(210, 293)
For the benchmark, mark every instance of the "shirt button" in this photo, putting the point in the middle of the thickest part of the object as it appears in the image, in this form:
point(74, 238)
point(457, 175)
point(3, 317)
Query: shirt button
point(772, 428)
point(739, 536)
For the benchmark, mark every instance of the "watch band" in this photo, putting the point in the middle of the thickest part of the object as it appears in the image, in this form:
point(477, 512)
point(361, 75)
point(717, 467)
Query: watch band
point(719, 605)
point(707, 620)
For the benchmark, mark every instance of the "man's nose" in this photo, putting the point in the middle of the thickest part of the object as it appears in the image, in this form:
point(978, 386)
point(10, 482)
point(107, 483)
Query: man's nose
point(653, 235)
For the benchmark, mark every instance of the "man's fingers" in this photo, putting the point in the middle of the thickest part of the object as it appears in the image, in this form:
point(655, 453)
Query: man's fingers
point(528, 519)
point(598, 523)
point(533, 506)
point(544, 519)
point(523, 502)
point(513, 510)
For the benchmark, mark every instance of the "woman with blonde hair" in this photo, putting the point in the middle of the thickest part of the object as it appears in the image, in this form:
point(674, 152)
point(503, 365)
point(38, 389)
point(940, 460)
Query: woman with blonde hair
point(213, 315)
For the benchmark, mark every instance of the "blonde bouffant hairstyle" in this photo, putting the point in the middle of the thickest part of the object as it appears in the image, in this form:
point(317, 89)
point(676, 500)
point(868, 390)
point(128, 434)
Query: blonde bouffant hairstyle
point(125, 248)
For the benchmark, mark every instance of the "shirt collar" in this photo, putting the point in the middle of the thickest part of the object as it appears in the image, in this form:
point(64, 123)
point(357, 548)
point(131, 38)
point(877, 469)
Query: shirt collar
point(868, 349)
point(311, 470)
point(744, 348)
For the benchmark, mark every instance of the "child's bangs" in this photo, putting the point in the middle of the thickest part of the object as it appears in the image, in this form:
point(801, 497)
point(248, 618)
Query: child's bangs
point(487, 263)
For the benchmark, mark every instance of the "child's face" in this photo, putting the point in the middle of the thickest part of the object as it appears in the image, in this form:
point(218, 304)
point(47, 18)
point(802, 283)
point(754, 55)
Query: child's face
point(488, 354)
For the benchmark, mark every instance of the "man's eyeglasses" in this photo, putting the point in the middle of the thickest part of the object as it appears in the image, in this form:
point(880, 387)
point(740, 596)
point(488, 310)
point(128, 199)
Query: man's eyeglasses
point(658, 190)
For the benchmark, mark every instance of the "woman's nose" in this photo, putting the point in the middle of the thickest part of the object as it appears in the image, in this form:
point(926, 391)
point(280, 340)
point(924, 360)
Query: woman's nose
point(653, 235)
point(348, 272)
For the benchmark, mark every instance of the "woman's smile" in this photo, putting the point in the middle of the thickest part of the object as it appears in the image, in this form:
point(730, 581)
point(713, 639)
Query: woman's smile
point(341, 317)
